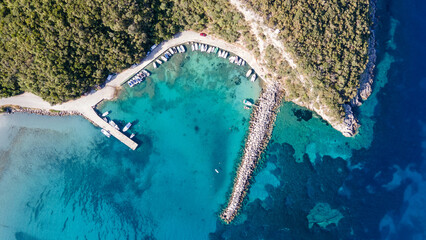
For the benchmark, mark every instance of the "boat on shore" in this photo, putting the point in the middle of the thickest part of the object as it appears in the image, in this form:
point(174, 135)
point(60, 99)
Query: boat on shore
point(106, 133)
point(128, 125)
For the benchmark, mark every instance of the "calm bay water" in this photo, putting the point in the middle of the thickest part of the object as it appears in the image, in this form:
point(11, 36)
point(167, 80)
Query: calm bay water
point(60, 178)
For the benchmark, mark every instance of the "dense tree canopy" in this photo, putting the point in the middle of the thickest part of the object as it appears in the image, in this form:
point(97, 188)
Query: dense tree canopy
point(59, 49)
point(329, 39)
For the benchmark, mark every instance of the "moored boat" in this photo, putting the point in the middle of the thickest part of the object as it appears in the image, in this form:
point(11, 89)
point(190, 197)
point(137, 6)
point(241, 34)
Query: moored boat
point(105, 114)
point(112, 123)
point(249, 72)
point(155, 65)
point(248, 102)
point(164, 58)
point(146, 72)
point(131, 136)
point(253, 77)
point(159, 61)
point(106, 133)
point(128, 125)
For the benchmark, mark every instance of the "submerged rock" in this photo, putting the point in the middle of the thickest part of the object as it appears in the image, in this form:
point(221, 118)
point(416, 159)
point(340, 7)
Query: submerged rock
point(323, 215)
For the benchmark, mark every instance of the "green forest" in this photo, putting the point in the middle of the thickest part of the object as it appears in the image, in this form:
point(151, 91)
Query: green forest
point(329, 40)
point(60, 49)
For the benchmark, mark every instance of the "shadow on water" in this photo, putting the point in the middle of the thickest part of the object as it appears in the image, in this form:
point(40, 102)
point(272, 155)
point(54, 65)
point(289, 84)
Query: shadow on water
point(24, 236)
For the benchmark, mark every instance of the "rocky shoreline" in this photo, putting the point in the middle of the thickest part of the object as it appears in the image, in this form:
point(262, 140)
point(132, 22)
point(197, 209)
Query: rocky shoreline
point(18, 109)
point(349, 126)
point(261, 125)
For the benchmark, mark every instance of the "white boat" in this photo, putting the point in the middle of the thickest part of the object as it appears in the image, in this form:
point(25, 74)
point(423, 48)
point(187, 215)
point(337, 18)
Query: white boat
point(192, 47)
point(155, 65)
point(112, 123)
point(164, 58)
point(216, 170)
point(253, 77)
point(248, 102)
point(249, 72)
point(106, 133)
point(105, 114)
point(232, 59)
point(131, 136)
point(171, 51)
point(146, 72)
point(226, 55)
point(128, 125)
point(244, 63)
point(159, 61)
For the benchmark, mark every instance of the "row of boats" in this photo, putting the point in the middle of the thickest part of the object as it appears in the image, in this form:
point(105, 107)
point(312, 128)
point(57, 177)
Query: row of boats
point(138, 78)
point(223, 54)
point(168, 54)
point(113, 124)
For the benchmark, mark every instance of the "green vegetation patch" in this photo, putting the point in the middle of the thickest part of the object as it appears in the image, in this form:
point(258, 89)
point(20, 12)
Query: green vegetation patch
point(59, 49)
point(329, 40)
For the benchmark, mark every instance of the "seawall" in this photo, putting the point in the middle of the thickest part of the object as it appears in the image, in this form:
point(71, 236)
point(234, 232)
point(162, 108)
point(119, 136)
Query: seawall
point(260, 131)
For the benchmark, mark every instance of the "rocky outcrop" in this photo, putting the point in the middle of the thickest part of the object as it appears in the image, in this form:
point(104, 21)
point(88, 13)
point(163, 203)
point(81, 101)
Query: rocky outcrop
point(366, 79)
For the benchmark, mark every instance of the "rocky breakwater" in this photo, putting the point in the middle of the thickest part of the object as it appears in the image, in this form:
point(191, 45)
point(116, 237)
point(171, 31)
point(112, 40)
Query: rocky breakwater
point(261, 126)
point(13, 109)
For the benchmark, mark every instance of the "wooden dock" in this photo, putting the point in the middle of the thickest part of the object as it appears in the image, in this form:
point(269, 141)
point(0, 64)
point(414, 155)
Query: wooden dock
point(97, 120)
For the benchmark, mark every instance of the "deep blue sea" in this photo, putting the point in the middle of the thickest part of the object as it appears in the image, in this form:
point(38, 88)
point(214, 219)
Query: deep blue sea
point(60, 178)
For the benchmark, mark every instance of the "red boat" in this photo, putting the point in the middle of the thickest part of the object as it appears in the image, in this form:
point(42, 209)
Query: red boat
point(203, 34)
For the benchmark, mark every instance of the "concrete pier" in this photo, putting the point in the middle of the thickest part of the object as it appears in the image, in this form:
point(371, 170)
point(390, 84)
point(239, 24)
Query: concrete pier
point(261, 126)
point(97, 120)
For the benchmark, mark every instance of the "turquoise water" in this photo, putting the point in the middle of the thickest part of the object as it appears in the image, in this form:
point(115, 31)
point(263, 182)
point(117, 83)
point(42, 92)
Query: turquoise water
point(64, 178)
point(60, 178)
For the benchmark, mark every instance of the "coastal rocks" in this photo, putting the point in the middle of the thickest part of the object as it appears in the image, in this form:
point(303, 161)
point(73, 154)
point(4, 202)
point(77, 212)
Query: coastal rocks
point(14, 109)
point(323, 215)
point(349, 126)
point(366, 79)
point(260, 130)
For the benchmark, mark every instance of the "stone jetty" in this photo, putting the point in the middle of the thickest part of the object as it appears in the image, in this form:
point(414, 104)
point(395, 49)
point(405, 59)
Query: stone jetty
point(261, 126)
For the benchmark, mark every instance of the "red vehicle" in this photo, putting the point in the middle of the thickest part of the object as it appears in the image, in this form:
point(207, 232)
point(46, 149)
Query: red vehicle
point(203, 34)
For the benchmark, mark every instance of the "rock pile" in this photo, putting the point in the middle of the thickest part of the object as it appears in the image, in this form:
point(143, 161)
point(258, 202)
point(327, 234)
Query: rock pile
point(261, 126)
point(42, 112)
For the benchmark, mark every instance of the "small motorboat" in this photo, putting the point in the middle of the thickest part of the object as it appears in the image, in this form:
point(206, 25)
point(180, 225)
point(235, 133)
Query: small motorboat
point(105, 113)
point(128, 125)
point(248, 102)
point(249, 72)
point(106, 133)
